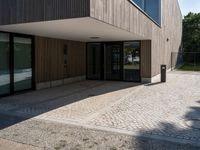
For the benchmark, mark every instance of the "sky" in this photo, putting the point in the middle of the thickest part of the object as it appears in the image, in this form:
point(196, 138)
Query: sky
point(189, 6)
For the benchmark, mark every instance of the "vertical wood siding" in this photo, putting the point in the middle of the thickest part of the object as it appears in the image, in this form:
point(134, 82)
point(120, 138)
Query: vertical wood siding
point(124, 15)
point(50, 59)
point(172, 30)
point(22, 11)
point(146, 58)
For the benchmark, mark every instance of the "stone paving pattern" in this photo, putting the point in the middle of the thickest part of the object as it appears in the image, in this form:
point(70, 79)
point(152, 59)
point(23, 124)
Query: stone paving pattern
point(39, 134)
point(167, 111)
point(10, 145)
point(161, 109)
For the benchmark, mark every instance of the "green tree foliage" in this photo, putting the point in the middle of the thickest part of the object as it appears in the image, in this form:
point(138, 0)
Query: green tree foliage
point(191, 32)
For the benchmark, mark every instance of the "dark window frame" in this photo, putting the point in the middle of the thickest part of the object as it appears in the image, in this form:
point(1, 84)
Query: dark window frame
point(102, 43)
point(11, 62)
point(140, 63)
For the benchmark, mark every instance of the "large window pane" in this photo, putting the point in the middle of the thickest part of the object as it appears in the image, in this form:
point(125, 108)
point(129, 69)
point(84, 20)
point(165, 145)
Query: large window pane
point(4, 64)
point(22, 64)
point(140, 3)
point(132, 61)
point(112, 61)
point(151, 8)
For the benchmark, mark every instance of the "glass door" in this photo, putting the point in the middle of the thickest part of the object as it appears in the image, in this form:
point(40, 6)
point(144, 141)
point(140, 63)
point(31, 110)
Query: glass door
point(113, 61)
point(4, 64)
point(94, 61)
point(22, 63)
point(132, 61)
point(16, 63)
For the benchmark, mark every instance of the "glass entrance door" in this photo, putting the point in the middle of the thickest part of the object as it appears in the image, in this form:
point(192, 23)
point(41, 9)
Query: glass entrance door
point(22, 63)
point(132, 61)
point(113, 61)
point(4, 64)
point(94, 61)
point(16, 63)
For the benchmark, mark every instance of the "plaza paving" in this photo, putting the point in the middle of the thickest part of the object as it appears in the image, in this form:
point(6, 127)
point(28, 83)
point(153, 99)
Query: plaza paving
point(161, 111)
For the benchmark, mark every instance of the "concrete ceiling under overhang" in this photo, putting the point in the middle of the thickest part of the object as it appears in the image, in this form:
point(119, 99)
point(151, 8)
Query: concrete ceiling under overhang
point(78, 29)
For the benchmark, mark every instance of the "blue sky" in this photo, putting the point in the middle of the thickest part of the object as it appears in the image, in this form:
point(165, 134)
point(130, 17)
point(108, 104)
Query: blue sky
point(189, 6)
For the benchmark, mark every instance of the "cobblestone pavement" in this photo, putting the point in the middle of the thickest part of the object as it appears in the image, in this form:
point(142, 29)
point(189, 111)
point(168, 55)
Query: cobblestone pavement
point(34, 134)
point(168, 111)
point(10, 145)
point(76, 102)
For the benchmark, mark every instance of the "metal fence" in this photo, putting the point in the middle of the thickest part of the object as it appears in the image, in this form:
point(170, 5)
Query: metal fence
point(185, 61)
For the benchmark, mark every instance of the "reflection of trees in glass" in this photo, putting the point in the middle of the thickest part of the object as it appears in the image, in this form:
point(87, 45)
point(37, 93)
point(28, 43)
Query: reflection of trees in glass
point(127, 50)
point(131, 50)
point(129, 54)
point(131, 58)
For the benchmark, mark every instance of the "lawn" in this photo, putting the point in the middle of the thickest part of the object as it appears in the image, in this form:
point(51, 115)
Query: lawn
point(131, 66)
point(190, 67)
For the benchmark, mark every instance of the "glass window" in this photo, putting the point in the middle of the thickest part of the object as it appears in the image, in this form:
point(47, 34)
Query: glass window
point(22, 63)
point(132, 61)
point(4, 64)
point(112, 61)
point(151, 7)
point(140, 3)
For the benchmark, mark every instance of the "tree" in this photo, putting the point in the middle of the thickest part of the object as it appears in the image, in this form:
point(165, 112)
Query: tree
point(191, 32)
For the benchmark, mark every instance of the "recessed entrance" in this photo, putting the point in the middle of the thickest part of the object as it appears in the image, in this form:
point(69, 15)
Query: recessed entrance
point(16, 63)
point(113, 57)
point(114, 61)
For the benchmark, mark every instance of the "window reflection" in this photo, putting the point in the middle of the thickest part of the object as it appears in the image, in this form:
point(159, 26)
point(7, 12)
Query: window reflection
point(132, 61)
point(22, 67)
point(4, 64)
point(151, 7)
point(140, 3)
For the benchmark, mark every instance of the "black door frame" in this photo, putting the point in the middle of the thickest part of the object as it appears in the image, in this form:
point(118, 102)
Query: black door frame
point(122, 59)
point(140, 63)
point(11, 61)
point(102, 61)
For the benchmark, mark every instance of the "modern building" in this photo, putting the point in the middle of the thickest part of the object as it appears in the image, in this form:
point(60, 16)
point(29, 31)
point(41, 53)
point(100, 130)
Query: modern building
point(46, 43)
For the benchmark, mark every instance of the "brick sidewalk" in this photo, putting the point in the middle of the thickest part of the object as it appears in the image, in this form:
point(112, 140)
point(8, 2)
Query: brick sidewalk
point(169, 111)
point(10, 145)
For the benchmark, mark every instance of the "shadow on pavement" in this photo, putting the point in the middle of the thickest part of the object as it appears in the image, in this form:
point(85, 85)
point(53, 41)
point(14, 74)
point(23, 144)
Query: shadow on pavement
point(38, 102)
point(170, 137)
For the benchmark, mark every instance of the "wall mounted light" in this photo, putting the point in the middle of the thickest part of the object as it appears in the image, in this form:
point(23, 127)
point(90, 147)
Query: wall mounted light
point(167, 39)
point(94, 38)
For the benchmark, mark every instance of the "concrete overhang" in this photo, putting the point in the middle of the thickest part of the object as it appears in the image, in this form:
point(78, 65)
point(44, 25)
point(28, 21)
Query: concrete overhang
point(84, 29)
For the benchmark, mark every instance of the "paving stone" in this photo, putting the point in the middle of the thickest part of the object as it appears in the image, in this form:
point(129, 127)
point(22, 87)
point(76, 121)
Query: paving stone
point(162, 110)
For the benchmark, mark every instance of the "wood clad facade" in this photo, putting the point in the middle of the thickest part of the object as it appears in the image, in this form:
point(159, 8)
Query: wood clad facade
point(50, 62)
point(165, 39)
point(22, 11)
point(145, 55)
point(156, 49)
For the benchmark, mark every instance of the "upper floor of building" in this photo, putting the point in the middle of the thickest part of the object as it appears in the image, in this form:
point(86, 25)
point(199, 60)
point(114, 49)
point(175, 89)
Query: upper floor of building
point(23, 11)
